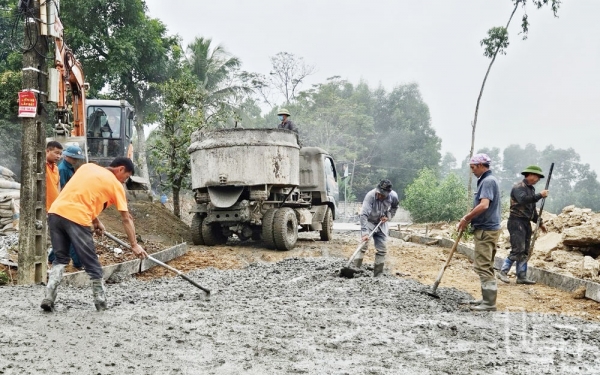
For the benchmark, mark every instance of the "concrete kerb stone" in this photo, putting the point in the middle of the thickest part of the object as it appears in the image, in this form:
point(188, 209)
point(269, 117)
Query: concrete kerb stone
point(164, 256)
point(81, 279)
point(552, 279)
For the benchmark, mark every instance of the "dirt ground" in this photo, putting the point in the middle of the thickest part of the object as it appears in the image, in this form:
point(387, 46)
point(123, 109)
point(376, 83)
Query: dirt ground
point(158, 226)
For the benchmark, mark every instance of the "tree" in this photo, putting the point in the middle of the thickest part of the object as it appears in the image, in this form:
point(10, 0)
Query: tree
point(287, 74)
point(224, 87)
point(124, 51)
point(430, 200)
point(497, 42)
point(181, 116)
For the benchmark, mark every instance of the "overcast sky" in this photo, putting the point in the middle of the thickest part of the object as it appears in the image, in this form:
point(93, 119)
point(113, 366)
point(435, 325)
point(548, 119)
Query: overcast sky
point(546, 90)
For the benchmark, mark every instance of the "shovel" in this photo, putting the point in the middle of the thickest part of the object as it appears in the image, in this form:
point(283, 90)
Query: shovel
point(433, 291)
point(348, 271)
point(184, 276)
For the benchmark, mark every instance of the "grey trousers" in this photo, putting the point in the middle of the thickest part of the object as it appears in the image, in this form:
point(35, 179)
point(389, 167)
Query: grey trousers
point(380, 239)
point(63, 233)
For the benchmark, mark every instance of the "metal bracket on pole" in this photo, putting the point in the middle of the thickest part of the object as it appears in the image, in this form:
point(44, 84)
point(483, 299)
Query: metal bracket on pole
point(36, 91)
point(35, 70)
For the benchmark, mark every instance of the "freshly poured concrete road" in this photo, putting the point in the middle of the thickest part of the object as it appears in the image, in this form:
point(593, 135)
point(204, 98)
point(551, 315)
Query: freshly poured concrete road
point(296, 316)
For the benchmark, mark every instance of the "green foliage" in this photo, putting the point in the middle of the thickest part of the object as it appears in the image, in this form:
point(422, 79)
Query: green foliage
point(170, 140)
point(223, 87)
point(378, 134)
point(4, 278)
point(496, 42)
point(430, 200)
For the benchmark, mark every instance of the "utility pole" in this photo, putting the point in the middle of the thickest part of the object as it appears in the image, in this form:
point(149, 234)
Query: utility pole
point(32, 224)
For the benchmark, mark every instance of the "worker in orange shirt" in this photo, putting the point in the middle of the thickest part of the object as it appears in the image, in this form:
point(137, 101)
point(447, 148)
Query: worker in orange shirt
point(53, 154)
point(92, 189)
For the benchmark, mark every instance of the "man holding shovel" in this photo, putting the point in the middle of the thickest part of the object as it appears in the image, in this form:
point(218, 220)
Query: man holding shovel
point(380, 204)
point(522, 211)
point(485, 222)
point(88, 193)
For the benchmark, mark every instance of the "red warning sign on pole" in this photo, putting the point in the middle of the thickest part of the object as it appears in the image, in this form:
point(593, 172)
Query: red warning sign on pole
point(27, 104)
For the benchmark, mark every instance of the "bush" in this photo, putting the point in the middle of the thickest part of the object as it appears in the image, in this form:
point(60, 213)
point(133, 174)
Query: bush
point(429, 200)
point(3, 278)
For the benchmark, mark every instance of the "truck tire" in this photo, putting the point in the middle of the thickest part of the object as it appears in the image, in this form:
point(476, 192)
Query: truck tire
point(267, 228)
point(196, 228)
point(256, 233)
point(285, 229)
point(327, 226)
point(212, 234)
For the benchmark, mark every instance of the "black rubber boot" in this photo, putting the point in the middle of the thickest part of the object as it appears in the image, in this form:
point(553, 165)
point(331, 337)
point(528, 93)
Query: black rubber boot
point(522, 279)
point(503, 276)
point(379, 264)
point(489, 292)
point(54, 277)
point(357, 262)
point(99, 294)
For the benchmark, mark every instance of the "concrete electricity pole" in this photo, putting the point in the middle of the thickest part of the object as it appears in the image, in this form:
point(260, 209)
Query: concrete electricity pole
point(32, 223)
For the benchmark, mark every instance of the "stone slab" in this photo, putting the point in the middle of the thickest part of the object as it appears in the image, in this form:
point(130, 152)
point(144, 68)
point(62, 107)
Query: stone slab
point(552, 279)
point(164, 256)
point(81, 278)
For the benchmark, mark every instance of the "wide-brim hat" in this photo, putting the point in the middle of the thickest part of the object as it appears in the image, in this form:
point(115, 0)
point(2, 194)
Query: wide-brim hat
point(283, 111)
point(385, 193)
point(384, 187)
point(533, 169)
point(73, 152)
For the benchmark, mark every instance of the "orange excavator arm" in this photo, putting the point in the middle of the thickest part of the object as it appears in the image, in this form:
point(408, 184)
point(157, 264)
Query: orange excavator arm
point(71, 76)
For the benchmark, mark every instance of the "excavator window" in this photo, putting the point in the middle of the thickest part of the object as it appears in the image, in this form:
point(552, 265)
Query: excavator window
point(104, 131)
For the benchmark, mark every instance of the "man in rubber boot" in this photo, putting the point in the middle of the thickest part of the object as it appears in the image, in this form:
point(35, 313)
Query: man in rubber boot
point(380, 204)
point(75, 211)
point(485, 223)
point(522, 212)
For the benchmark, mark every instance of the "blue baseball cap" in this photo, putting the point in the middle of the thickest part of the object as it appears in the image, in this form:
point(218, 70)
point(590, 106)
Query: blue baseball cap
point(73, 151)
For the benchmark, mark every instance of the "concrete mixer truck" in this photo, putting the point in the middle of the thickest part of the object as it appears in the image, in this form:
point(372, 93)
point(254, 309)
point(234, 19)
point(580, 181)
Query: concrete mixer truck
point(259, 184)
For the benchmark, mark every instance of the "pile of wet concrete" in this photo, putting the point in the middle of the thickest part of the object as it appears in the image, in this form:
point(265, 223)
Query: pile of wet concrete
point(295, 316)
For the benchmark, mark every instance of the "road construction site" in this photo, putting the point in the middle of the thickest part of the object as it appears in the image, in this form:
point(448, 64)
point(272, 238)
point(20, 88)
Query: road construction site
point(290, 312)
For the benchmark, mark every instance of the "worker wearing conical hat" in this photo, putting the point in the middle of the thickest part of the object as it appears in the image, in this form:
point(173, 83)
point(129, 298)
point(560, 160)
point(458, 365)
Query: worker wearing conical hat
point(522, 212)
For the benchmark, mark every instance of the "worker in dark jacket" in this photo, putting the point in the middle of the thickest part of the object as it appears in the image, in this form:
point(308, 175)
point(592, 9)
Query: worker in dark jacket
point(522, 212)
point(284, 115)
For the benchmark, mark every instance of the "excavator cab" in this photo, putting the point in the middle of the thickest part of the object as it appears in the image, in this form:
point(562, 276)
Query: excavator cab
point(109, 129)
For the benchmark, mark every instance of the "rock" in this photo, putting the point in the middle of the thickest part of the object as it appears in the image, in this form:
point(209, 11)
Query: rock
point(579, 293)
point(590, 267)
point(562, 257)
point(546, 244)
point(582, 236)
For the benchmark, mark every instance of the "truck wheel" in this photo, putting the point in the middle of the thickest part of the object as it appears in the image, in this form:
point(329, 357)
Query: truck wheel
point(196, 228)
point(327, 226)
point(212, 234)
point(285, 229)
point(256, 233)
point(267, 228)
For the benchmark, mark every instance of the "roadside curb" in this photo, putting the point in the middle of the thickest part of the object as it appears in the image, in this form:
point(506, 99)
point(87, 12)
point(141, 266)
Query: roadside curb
point(80, 278)
point(549, 278)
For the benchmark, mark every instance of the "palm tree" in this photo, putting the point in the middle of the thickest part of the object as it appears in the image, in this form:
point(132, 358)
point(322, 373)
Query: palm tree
point(220, 81)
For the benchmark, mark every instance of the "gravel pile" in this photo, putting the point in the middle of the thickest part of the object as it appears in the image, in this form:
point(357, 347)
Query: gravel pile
point(295, 316)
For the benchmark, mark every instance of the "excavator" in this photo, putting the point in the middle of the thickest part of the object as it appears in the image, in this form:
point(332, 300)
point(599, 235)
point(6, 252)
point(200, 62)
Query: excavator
point(102, 128)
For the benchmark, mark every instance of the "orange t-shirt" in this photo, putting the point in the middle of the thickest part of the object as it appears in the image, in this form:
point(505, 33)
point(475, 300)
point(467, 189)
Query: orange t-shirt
point(89, 191)
point(52, 184)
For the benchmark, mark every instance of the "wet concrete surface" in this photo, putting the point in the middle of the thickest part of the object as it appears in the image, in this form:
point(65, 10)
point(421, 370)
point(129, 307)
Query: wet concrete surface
point(292, 317)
